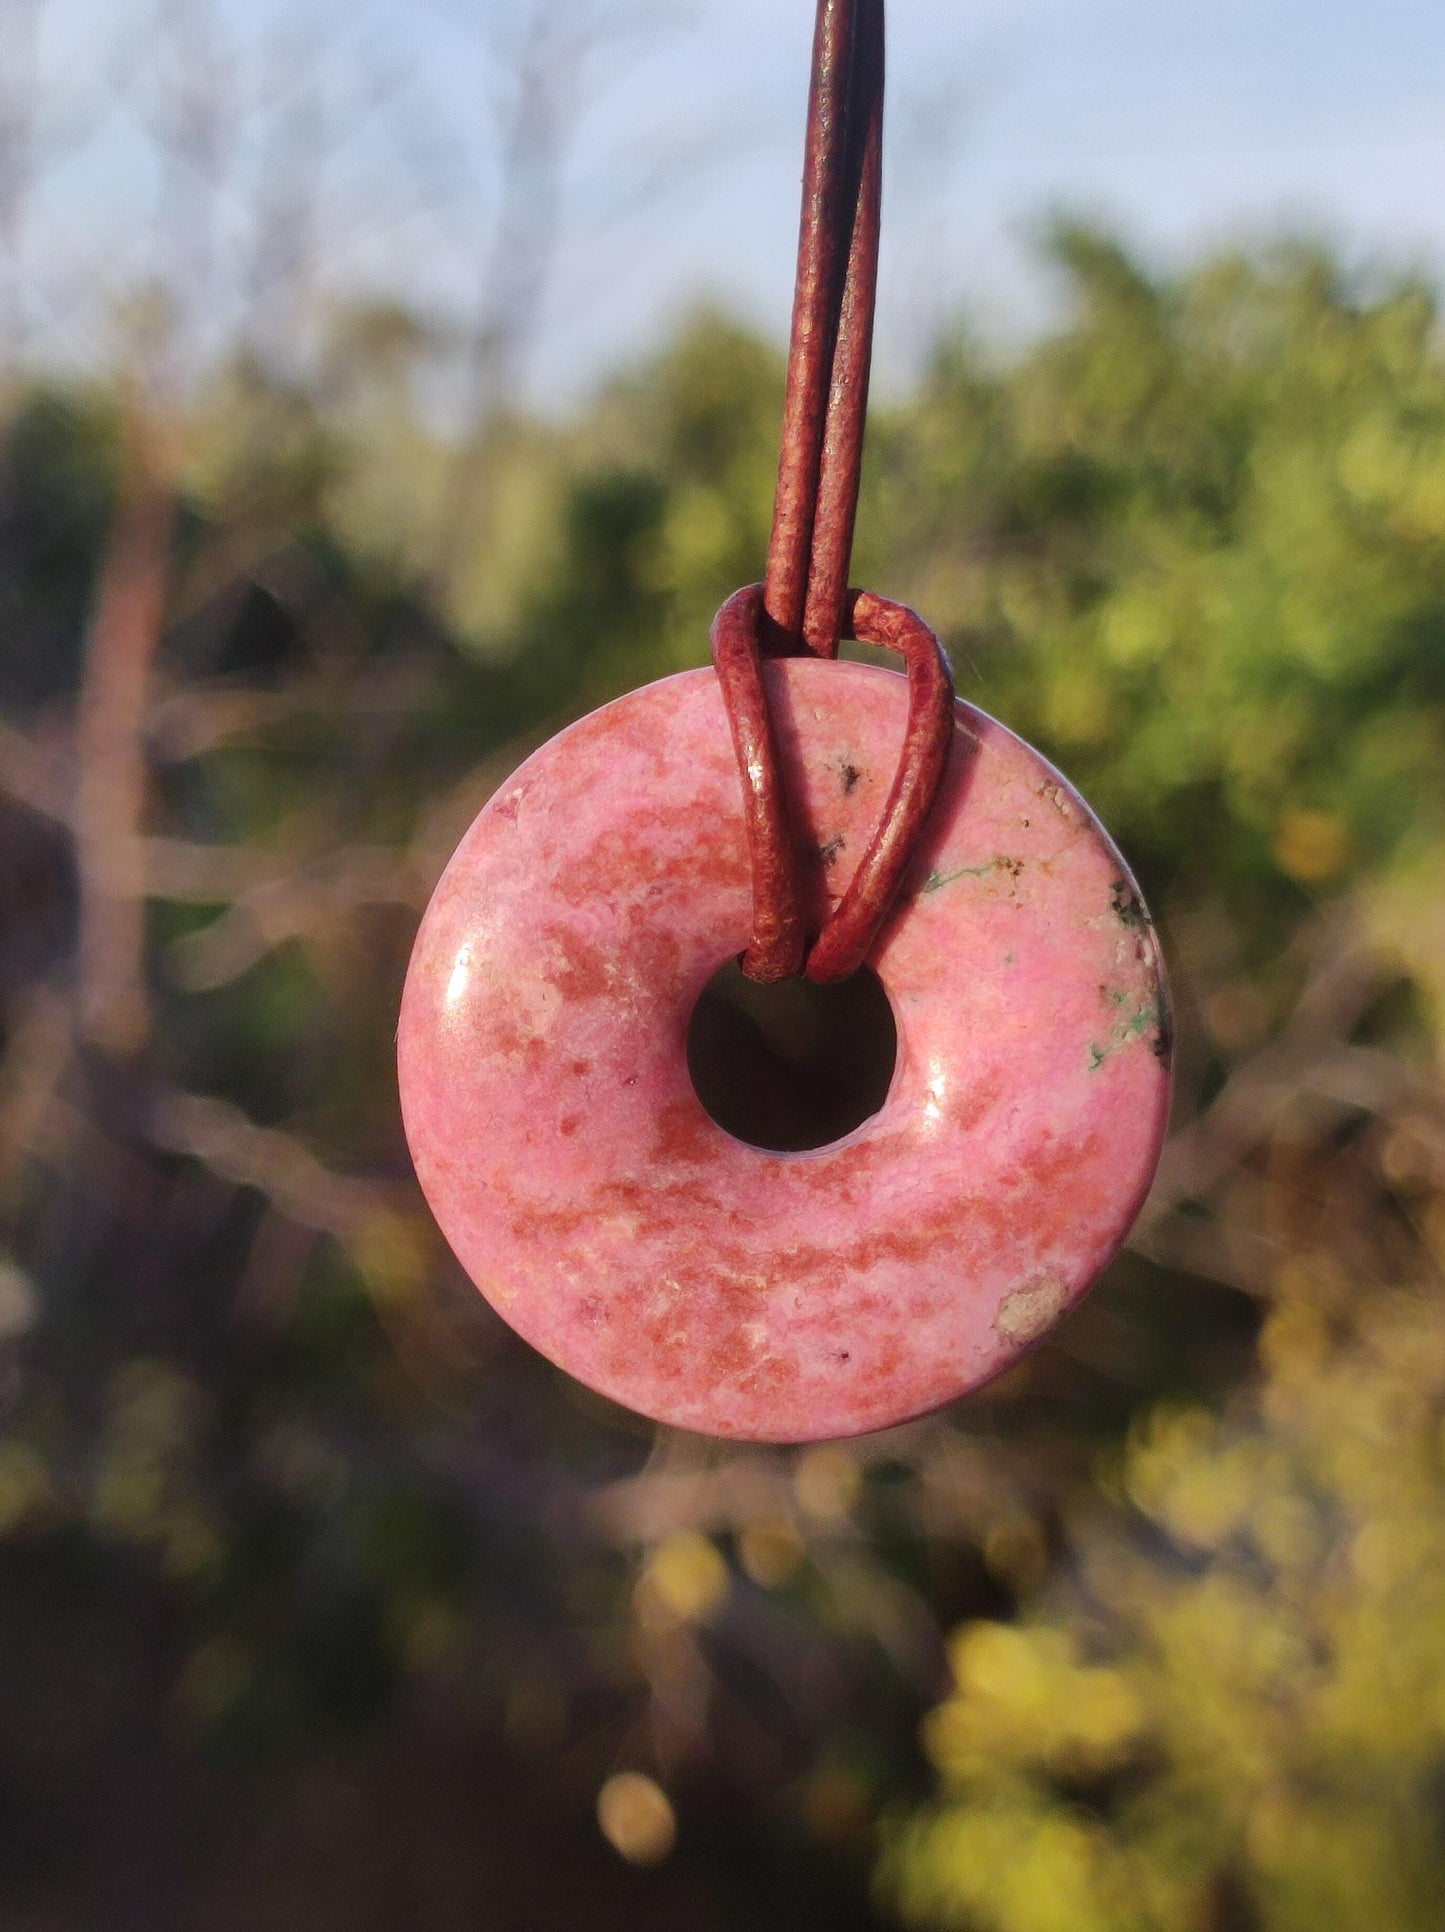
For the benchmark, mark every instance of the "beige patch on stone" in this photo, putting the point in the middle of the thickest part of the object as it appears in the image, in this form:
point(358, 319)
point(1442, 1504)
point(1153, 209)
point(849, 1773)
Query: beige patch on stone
point(1058, 798)
point(1026, 1311)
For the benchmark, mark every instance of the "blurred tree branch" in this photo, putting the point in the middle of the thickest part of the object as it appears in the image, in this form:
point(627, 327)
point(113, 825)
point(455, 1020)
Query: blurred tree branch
point(549, 45)
point(20, 22)
point(124, 636)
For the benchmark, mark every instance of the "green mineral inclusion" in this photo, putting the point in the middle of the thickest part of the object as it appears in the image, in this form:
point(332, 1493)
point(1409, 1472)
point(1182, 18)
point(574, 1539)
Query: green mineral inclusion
point(937, 880)
point(1129, 909)
point(1124, 1031)
point(1131, 912)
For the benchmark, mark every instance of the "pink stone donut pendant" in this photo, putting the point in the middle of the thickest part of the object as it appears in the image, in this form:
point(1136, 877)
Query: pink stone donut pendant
point(700, 1280)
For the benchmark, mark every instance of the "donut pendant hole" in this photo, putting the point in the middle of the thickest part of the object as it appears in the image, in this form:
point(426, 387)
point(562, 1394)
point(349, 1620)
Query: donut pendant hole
point(791, 1066)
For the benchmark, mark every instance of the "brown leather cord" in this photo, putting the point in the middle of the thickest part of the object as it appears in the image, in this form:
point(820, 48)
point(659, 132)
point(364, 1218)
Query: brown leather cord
point(837, 247)
point(848, 937)
point(841, 461)
point(805, 604)
point(778, 940)
point(739, 644)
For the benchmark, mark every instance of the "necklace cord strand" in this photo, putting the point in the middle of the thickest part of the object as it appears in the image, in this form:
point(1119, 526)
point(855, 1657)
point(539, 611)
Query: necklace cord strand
point(825, 231)
point(840, 460)
point(804, 605)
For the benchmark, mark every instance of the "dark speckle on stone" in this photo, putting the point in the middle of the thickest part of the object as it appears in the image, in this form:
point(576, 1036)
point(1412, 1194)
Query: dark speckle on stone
point(1128, 907)
point(829, 853)
point(1163, 1041)
point(850, 775)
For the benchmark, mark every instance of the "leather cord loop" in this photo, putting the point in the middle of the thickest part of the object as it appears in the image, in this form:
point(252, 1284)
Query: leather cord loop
point(740, 636)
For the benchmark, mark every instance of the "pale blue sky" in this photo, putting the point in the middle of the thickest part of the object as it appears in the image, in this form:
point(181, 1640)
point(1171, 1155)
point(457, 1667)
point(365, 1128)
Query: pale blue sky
point(1182, 123)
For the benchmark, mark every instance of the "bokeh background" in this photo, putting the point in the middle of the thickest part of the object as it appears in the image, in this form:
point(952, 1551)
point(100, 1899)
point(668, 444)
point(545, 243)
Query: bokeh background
point(382, 386)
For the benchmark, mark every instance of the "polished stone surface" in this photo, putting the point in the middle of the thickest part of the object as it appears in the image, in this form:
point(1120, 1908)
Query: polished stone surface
point(782, 1297)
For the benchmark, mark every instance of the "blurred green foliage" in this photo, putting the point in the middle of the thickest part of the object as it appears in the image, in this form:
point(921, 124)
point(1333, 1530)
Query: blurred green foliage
point(266, 1444)
point(1231, 1706)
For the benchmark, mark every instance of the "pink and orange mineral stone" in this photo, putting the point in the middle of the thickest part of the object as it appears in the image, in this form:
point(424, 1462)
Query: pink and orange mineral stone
point(709, 1283)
